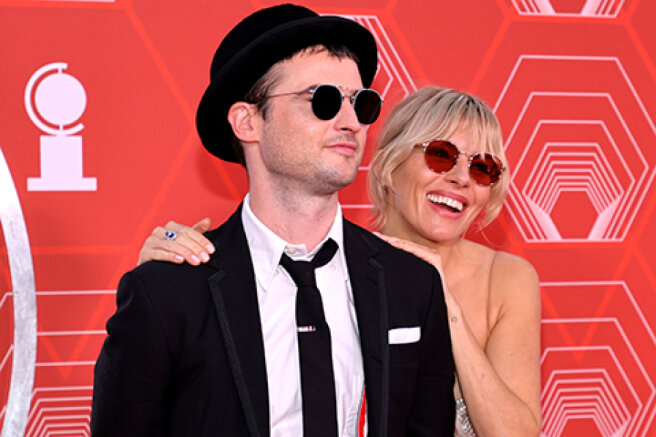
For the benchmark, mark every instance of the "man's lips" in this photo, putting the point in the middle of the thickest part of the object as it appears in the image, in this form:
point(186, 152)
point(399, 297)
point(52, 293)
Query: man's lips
point(347, 148)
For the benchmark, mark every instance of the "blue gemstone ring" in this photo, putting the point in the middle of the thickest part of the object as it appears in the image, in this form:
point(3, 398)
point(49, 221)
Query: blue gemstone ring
point(170, 235)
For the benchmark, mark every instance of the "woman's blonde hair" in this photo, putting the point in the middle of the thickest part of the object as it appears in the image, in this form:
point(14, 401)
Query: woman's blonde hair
point(430, 113)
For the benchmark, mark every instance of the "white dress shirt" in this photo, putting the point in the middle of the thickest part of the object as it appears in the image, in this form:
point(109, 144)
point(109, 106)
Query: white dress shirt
point(276, 295)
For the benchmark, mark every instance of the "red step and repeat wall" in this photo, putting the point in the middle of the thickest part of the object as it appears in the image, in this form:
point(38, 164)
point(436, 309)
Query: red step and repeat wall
point(98, 146)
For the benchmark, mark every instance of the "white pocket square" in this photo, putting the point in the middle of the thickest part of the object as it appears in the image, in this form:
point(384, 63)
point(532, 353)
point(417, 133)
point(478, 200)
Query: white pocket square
point(404, 335)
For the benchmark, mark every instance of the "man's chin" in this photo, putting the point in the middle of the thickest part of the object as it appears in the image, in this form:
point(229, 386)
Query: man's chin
point(335, 182)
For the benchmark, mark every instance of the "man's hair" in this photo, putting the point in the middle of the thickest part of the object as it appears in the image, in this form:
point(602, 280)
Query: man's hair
point(431, 113)
point(262, 87)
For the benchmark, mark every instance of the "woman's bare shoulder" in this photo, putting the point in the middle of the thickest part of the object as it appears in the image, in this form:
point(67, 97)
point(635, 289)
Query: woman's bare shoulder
point(513, 278)
point(476, 252)
point(504, 262)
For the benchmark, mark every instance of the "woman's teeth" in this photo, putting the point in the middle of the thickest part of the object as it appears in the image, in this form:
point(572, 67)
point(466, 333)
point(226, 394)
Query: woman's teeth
point(447, 201)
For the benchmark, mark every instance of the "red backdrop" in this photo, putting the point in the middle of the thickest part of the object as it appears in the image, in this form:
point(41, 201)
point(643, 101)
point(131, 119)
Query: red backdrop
point(573, 83)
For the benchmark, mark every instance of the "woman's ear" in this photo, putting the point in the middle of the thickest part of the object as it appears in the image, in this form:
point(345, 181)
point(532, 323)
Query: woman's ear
point(245, 120)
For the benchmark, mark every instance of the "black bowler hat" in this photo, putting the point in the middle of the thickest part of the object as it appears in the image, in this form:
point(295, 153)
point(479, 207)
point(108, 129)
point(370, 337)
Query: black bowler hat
point(254, 45)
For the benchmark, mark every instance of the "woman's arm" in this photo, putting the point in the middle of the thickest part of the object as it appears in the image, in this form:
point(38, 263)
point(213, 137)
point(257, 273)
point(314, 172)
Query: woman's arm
point(501, 384)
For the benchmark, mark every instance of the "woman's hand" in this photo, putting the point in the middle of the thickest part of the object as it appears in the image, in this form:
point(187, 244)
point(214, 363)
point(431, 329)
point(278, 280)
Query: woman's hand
point(423, 252)
point(189, 244)
point(434, 258)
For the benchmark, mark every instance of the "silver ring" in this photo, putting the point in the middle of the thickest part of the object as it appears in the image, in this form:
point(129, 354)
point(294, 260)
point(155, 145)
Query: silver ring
point(170, 235)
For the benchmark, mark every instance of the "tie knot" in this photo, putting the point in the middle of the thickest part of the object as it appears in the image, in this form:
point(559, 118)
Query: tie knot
point(302, 272)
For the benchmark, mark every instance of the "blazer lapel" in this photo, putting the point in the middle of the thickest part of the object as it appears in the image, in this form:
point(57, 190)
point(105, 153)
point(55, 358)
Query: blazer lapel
point(367, 281)
point(235, 298)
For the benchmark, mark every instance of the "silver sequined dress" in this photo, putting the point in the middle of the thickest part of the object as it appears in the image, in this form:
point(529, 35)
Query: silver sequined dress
point(464, 427)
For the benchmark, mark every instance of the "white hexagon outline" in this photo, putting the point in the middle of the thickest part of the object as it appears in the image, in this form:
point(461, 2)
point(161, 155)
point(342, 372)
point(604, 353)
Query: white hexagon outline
point(574, 181)
point(388, 59)
point(551, 389)
point(599, 160)
point(37, 417)
point(548, 423)
point(591, 8)
point(590, 405)
point(550, 233)
point(541, 225)
point(612, 142)
point(618, 422)
point(649, 405)
point(596, 234)
point(45, 427)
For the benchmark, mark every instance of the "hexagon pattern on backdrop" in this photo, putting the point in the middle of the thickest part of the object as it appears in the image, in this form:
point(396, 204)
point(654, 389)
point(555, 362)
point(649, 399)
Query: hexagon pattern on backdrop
point(573, 84)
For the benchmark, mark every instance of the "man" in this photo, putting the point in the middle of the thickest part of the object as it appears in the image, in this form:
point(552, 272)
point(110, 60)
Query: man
point(225, 348)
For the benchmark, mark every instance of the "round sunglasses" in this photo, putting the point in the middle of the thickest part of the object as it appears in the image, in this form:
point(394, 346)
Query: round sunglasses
point(327, 101)
point(441, 156)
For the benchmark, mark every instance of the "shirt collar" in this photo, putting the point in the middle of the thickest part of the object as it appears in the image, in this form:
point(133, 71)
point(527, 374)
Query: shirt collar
point(266, 247)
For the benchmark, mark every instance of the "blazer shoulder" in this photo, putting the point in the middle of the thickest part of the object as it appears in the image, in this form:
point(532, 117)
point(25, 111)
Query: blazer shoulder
point(384, 253)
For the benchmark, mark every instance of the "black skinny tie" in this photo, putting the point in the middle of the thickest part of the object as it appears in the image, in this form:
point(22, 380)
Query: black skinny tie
point(314, 349)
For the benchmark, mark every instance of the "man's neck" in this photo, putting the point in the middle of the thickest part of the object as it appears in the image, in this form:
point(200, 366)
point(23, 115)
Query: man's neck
point(296, 219)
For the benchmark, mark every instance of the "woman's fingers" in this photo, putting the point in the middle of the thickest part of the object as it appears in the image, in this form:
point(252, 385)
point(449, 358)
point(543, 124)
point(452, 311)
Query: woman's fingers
point(195, 234)
point(189, 243)
point(154, 248)
point(203, 225)
point(178, 243)
point(418, 250)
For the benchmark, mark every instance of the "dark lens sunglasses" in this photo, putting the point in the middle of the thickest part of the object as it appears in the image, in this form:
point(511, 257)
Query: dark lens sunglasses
point(441, 156)
point(327, 101)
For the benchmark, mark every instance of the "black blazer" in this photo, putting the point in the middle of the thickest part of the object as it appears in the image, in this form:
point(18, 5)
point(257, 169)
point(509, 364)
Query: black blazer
point(184, 354)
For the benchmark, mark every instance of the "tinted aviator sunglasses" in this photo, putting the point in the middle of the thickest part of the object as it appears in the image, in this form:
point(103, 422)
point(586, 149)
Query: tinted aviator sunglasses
point(327, 101)
point(441, 156)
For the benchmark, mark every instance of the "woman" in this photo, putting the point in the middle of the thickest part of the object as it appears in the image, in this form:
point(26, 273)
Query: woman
point(439, 169)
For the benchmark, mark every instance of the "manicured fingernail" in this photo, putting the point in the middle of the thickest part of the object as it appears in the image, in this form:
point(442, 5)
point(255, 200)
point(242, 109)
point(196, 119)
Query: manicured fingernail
point(205, 256)
point(195, 259)
point(179, 258)
point(210, 248)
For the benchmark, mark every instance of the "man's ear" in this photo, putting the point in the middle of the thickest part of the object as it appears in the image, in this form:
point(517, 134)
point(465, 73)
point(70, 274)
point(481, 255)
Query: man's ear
point(245, 120)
